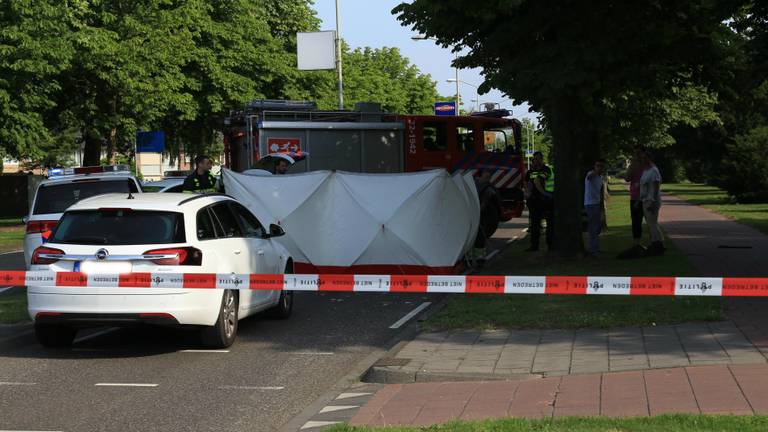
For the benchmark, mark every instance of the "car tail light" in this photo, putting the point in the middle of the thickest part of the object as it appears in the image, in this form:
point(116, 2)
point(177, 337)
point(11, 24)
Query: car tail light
point(34, 227)
point(42, 250)
point(182, 256)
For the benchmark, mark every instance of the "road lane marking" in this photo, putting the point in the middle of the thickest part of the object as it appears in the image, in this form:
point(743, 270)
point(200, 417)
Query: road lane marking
point(5, 288)
point(351, 395)
point(16, 384)
point(9, 430)
point(252, 387)
point(203, 351)
point(95, 335)
point(10, 253)
point(311, 353)
point(410, 315)
point(491, 255)
point(317, 424)
point(126, 385)
point(334, 408)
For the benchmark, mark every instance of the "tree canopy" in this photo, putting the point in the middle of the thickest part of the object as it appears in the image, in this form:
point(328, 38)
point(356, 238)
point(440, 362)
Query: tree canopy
point(577, 61)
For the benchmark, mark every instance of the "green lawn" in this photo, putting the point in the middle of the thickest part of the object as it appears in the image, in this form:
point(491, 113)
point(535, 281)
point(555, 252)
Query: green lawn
point(11, 234)
point(561, 311)
point(718, 200)
point(13, 308)
point(664, 423)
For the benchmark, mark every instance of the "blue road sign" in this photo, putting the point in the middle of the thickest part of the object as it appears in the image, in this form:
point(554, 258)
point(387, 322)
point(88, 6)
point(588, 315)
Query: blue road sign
point(445, 108)
point(150, 142)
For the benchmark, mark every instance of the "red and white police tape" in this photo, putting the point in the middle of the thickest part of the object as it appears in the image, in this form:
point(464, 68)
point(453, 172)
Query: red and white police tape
point(658, 286)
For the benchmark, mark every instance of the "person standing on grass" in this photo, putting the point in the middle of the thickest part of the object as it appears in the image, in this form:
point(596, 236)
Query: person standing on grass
point(539, 195)
point(650, 197)
point(593, 197)
point(634, 172)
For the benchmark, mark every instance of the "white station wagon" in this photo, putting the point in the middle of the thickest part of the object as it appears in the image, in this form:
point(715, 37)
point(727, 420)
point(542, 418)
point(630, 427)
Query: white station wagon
point(157, 233)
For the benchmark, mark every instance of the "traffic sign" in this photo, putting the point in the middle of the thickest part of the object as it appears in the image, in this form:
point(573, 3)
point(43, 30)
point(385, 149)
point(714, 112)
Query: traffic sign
point(445, 108)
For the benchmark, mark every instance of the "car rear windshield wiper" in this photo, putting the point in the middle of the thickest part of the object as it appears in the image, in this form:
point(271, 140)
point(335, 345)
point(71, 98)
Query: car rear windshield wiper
point(86, 240)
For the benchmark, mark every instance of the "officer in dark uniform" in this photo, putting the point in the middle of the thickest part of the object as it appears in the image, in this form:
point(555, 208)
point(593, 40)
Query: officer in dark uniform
point(539, 191)
point(201, 180)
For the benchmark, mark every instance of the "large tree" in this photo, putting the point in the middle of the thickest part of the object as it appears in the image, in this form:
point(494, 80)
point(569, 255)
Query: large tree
point(34, 48)
point(567, 57)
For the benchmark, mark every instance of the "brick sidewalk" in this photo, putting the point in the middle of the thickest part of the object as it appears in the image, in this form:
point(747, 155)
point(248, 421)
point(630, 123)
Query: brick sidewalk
point(720, 389)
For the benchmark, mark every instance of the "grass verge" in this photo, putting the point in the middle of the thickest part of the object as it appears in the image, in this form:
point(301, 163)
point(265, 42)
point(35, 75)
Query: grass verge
point(11, 234)
point(718, 200)
point(672, 422)
point(13, 308)
point(560, 311)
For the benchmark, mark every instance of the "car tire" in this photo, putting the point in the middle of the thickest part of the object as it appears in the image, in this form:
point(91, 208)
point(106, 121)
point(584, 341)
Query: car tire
point(284, 306)
point(223, 333)
point(55, 336)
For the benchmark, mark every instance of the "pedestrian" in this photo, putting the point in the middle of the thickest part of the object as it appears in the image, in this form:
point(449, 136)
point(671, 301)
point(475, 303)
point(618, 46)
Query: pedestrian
point(634, 172)
point(201, 180)
point(593, 198)
point(539, 194)
point(650, 199)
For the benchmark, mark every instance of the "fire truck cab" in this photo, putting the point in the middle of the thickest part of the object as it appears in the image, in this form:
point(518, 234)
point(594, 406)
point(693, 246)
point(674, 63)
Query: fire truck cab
point(368, 140)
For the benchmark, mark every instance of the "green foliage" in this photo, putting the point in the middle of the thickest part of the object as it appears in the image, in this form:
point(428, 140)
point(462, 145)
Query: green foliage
point(34, 48)
point(745, 173)
point(381, 75)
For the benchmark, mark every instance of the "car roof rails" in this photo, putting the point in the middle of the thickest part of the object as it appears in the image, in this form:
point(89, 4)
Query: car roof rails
point(198, 196)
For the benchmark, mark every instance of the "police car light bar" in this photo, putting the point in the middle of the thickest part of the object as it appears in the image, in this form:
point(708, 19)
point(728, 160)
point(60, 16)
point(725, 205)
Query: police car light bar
point(102, 169)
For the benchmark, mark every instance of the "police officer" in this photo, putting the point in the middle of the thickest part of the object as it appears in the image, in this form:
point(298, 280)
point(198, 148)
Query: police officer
point(201, 180)
point(539, 192)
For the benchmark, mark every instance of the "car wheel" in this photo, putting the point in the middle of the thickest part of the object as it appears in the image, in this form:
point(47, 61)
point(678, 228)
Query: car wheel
point(284, 306)
point(55, 336)
point(223, 333)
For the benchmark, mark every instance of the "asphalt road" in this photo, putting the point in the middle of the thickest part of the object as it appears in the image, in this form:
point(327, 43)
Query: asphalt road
point(275, 369)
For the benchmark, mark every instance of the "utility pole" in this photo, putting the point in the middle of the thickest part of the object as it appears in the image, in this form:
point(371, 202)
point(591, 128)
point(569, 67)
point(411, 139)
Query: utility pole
point(338, 57)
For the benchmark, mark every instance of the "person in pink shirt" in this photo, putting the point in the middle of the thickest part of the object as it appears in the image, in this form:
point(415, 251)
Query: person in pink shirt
point(634, 173)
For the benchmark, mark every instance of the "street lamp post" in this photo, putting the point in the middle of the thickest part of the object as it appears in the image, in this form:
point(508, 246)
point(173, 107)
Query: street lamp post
point(455, 70)
point(477, 95)
point(338, 57)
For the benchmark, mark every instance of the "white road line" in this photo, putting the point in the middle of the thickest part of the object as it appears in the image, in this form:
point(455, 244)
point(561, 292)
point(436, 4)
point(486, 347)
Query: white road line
point(253, 387)
point(95, 335)
point(16, 384)
point(9, 253)
point(25, 431)
point(410, 315)
point(318, 424)
point(311, 353)
point(491, 255)
point(203, 351)
point(5, 288)
point(126, 385)
point(351, 395)
point(334, 408)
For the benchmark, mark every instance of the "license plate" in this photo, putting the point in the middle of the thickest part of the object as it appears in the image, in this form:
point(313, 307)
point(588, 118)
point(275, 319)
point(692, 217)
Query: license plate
point(108, 267)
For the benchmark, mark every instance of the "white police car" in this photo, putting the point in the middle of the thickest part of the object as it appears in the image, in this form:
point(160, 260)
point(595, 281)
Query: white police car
point(157, 233)
point(56, 194)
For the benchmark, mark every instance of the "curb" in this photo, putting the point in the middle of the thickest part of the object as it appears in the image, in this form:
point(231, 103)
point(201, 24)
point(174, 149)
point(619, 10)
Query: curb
point(387, 375)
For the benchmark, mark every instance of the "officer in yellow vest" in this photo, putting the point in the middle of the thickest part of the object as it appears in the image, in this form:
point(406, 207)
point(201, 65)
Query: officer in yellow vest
point(539, 193)
point(201, 180)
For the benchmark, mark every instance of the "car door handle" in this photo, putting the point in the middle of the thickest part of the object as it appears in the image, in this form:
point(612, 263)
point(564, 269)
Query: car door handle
point(260, 252)
point(237, 252)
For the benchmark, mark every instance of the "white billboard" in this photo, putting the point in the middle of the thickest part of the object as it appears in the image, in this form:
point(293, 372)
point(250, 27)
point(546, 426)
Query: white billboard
point(316, 50)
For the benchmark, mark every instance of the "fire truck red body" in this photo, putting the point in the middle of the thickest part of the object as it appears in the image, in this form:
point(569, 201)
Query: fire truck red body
point(366, 140)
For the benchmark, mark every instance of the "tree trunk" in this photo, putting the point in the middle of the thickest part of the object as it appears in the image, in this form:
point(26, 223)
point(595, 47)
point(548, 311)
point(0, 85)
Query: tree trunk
point(92, 151)
point(111, 146)
point(572, 140)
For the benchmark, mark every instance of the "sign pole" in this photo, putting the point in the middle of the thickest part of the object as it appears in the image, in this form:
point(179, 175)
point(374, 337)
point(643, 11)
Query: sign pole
point(338, 57)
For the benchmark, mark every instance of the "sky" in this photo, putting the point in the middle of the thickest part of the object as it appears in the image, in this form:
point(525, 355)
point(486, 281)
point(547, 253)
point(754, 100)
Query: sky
point(371, 23)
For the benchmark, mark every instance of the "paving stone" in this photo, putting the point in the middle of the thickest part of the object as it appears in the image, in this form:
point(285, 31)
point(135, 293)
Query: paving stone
point(623, 395)
point(669, 391)
point(716, 390)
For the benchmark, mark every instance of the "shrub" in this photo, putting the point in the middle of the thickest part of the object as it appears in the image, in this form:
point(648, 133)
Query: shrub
point(745, 173)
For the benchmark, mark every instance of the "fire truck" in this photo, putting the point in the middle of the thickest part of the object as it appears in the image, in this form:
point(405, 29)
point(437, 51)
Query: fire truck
point(369, 140)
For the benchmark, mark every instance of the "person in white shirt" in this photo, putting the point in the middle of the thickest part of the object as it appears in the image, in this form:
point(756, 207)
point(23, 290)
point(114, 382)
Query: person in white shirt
point(650, 199)
point(593, 194)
